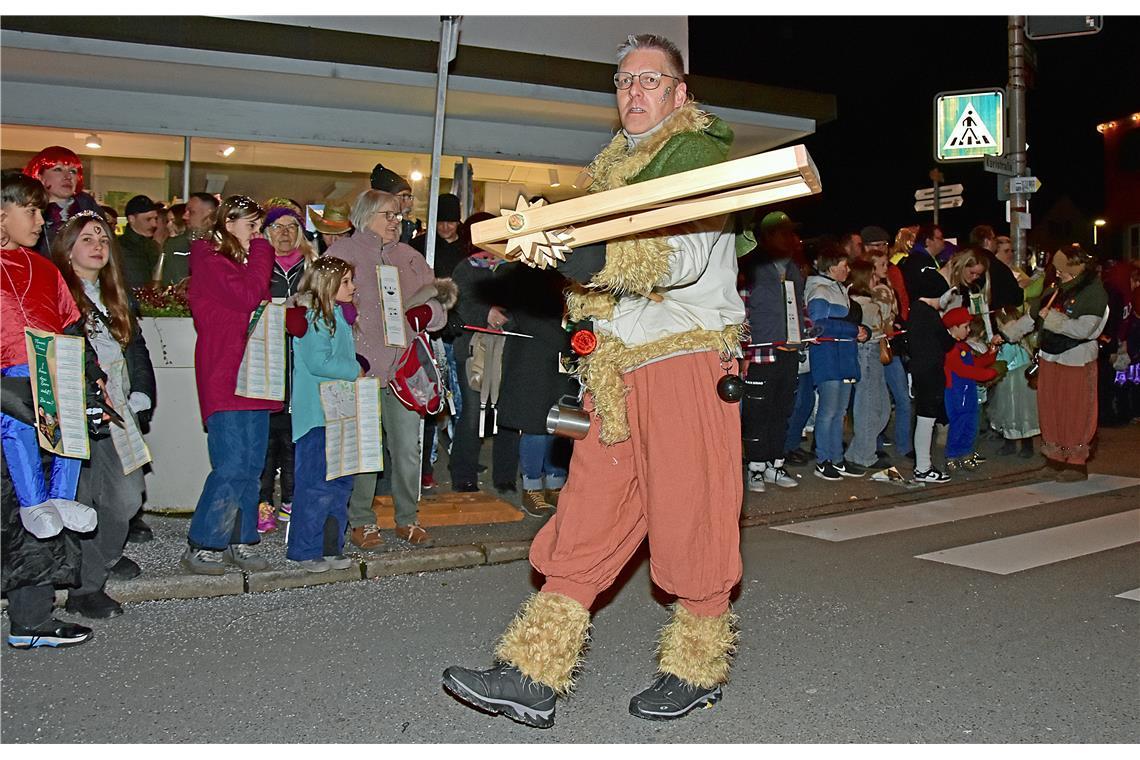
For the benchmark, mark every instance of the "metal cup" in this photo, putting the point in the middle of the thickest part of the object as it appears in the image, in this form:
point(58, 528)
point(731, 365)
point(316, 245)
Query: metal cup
point(568, 420)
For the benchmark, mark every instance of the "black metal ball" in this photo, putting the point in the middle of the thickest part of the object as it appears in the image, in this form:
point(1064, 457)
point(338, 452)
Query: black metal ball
point(730, 388)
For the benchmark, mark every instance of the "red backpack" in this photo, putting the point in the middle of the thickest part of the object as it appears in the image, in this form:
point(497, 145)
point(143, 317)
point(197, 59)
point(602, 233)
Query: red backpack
point(418, 384)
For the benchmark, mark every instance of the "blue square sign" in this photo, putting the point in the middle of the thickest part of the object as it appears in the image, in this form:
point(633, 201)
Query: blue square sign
point(969, 125)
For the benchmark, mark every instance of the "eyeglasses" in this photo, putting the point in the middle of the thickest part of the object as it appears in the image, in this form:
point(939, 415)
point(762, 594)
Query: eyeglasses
point(393, 216)
point(278, 227)
point(405, 197)
point(650, 80)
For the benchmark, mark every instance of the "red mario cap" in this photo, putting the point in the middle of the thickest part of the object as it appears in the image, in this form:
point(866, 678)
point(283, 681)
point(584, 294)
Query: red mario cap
point(957, 316)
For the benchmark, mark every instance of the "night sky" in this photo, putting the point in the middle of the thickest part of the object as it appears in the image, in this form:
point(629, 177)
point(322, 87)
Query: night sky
point(885, 71)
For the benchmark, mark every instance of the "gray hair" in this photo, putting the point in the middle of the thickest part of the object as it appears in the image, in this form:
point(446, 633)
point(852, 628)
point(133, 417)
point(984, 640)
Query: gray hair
point(367, 205)
point(654, 42)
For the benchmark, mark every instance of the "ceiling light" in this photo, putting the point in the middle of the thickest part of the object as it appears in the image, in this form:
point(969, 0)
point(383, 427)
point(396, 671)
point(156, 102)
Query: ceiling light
point(93, 141)
point(416, 175)
point(226, 151)
point(554, 178)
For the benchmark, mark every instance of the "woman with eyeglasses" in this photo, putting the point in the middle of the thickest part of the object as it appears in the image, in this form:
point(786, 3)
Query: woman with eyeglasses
point(231, 267)
point(293, 254)
point(375, 252)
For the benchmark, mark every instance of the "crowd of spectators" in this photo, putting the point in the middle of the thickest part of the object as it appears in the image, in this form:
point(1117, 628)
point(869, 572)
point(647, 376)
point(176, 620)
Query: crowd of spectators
point(846, 333)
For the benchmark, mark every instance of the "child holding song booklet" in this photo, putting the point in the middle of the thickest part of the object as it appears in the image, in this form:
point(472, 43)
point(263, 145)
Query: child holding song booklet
point(324, 350)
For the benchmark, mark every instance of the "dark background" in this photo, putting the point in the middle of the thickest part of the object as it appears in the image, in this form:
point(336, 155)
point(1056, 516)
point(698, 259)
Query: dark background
point(885, 72)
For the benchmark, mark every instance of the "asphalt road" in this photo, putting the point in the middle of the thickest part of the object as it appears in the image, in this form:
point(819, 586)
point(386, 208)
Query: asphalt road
point(853, 641)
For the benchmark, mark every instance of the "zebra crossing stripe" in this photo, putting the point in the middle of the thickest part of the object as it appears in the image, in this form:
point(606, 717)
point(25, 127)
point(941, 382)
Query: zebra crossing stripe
point(1003, 556)
point(939, 511)
point(1134, 595)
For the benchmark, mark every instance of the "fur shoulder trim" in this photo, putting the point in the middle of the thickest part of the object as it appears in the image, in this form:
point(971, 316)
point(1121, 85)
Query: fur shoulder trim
point(446, 291)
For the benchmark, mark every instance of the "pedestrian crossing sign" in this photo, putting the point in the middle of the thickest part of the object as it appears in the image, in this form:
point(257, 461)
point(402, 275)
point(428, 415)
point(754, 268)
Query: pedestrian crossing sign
point(969, 125)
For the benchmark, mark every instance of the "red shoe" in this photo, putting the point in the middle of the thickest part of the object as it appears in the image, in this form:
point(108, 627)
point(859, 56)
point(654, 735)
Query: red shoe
point(427, 481)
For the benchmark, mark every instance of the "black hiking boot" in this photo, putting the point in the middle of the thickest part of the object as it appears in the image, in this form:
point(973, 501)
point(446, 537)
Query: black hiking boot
point(503, 690)
point(670, 698)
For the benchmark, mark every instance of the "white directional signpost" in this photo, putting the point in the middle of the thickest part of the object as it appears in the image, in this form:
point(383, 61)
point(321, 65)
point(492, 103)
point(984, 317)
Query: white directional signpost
point(1025, 185)
point(968, 126)
point(938, 197)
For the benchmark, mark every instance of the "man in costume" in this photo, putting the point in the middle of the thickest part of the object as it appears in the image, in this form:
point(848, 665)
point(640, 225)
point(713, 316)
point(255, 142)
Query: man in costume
point(661, 457)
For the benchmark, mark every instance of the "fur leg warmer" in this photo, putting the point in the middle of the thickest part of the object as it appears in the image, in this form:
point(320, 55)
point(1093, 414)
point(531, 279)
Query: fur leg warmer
point(698, 650)
point(546, 639)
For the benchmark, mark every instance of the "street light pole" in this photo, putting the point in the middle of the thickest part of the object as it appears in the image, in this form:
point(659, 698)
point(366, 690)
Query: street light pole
point(1017, 88)
point(1097, 224)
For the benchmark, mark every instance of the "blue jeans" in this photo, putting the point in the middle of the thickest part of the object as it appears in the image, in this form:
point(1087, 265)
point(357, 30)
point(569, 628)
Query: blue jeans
point(895, 375)
point(833, 398)
point(543, 455)
point(805, 402)
point(227, 509)
point(316, 501)
point(962, 409)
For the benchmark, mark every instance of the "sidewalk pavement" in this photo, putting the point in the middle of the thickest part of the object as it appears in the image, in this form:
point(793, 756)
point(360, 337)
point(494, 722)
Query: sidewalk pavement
point(486, 544)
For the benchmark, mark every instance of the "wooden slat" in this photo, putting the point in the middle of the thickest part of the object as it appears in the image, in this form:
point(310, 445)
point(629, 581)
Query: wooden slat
point(451, 509)
point(774, 165)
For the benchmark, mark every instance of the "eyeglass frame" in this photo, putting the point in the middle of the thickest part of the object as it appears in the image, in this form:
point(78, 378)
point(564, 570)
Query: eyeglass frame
point(392, 216)
point(639, 76)
point(278, 226)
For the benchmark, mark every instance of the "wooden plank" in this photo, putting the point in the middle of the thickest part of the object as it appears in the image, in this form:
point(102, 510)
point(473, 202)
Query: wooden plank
point(451, 509)
point(774, 165)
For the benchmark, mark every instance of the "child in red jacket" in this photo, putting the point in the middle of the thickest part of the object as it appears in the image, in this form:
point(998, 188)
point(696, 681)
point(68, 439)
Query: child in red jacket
point(964, 370)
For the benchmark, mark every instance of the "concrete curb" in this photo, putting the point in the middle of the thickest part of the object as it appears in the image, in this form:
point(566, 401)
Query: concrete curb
point(233, 582)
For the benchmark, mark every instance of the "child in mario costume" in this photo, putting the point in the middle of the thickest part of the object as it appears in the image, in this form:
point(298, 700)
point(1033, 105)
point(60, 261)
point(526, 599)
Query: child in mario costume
point(964, 370)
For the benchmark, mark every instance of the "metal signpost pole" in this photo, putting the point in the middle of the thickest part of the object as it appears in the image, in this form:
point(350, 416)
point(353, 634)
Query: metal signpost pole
point(1016, 90)
point(448, 38)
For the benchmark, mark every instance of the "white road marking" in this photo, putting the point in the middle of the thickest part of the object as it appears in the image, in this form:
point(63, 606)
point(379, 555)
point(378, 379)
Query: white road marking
point(1134, 595)
point(1003, 556)
point(876, 522)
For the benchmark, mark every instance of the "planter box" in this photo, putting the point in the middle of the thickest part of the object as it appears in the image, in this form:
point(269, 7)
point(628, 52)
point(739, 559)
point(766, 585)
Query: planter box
point(177, 441)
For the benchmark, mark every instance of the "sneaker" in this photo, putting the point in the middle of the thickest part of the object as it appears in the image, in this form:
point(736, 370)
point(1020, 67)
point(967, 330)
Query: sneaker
point(465, 486)
point(245, 557)
point(850, 469)
point(506, 487)
point(96, 605)
point(1027, 451)
point(366, 537)
point(285, 512)
point(266, 519)
point(953, 465)
point(756, 476)
point(125, 569)
point(314, 565)
point(968, 463)
point(503, 690)
point(977, 457)
point(827, 471)
point(1072, 473)
point(797, 457)
point(550, 495)
point(931, 476)
point(779, 476)
point(338, 562)
point(53, 633)
point(534, 503)
point(882, 461)
point(669, 698)
point(203, 562)
point(413, 534)
point(427, 481)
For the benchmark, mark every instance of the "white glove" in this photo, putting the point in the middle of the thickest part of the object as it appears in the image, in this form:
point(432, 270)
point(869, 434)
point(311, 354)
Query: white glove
point(139, 402)
point(41, 520)
point(77, 517)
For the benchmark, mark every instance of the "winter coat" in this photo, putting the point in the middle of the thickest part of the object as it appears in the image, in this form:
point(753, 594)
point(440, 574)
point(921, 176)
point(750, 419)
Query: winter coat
point(223, 295)
point(532, 382)
point(319, 356)
point(366, 252)
point(829, 310)
point(766, 316)
point(138, 257)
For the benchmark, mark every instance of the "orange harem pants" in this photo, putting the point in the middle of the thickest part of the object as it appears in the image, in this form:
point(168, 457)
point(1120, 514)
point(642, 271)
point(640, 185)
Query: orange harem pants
point(1067, 410)
point(676, 479)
